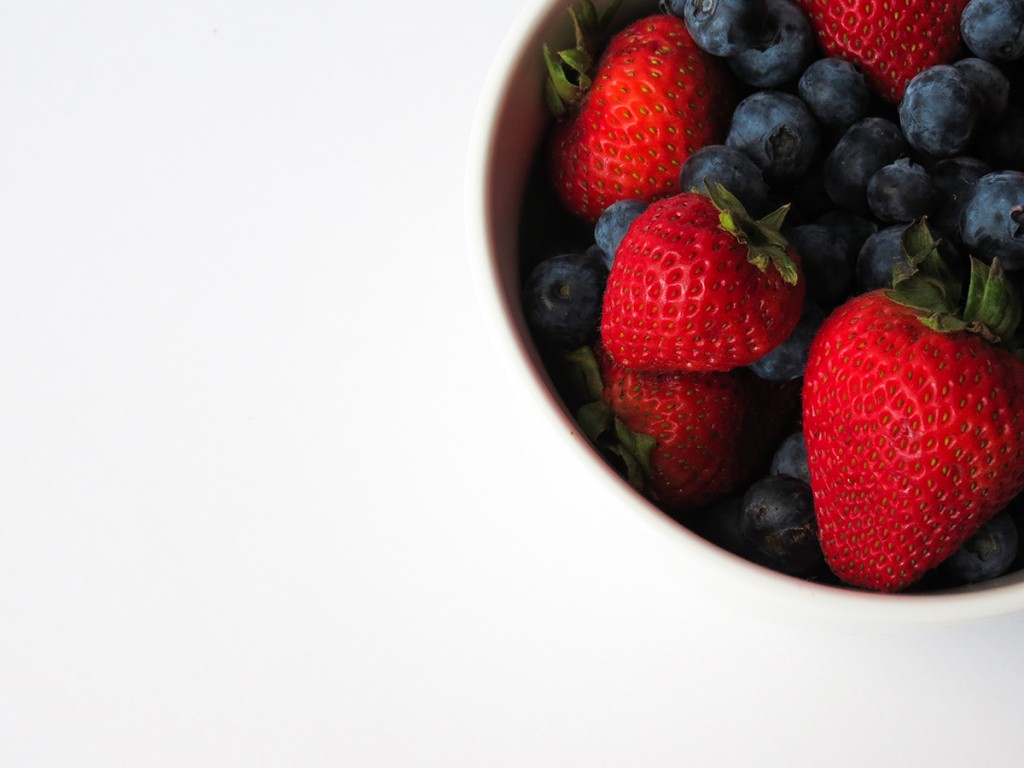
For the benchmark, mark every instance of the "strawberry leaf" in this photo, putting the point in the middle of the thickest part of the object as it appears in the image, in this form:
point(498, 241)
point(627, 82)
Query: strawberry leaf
point(580, 63)
point(922, 280)
point(638, 444)
point(584, 362)
point(604, 19)
point(599, 423)
point(569, 70)
point(595, 419)
point(766, 245)
point(944, 323)
point(774, 220)
point(607, 432)
point(634, 449)
point(562, 88)
point(993, 307)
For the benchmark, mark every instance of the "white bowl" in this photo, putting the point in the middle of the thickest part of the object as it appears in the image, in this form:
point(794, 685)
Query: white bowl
point(510, 120)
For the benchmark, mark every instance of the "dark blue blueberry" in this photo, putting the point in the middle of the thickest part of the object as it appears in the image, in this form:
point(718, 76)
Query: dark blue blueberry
point(994, 29)
point(562, 299)
point(864, 148)
point(780, 55)
point(777, 521)
point(939, 112)
point(835, 91)
point(901, 192)
point(730, 168)
point(777, 132)
point(613, 224)
point(852, 228)
point(954, 177)
point(825, 260)
point(788, 360)
point(990, 86)
point(791, 458)
point(721, 27)
point(992, 219)
point(987, 554)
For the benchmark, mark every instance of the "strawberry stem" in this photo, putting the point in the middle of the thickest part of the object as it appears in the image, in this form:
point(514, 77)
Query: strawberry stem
point(763, 238)
point(991, 309)
point(569, 70)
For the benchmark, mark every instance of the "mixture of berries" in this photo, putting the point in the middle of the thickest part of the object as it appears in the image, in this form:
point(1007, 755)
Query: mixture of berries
point(773, 258)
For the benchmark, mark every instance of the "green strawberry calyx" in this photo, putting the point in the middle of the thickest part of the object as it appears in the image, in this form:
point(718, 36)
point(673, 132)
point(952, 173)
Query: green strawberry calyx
point(766, 246)
point(569, 70)
point(600, 424)
point(991, 307)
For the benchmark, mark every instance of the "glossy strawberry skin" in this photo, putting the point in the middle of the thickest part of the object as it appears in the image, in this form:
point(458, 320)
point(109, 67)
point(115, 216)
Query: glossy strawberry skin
point(683, 296)
point(655, 99)
point(915, 438)
point(891, 42)
point(699, 422)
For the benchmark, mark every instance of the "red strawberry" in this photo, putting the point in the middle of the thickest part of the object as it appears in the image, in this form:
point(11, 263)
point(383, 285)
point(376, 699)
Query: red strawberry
point(913, 420)
point(891, 41)
point(625, 131)
point(689, 436)
point(698, 285)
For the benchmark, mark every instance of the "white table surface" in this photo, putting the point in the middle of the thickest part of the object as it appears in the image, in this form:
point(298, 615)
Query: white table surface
point(267, 494)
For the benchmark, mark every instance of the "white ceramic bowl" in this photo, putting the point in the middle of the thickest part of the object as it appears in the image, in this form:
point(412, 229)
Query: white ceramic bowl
point(509, 123)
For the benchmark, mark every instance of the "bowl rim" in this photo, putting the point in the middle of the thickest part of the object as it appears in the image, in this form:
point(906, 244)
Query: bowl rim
point(748, 581)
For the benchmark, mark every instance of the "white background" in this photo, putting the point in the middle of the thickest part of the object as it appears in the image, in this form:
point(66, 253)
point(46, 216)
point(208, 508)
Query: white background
point(267, 494)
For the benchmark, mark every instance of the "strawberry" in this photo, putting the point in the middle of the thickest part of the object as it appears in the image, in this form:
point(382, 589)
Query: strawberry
point(625, 130)
point(686, 439)
point(912, 417)
point(890, 41)
point(699, 285)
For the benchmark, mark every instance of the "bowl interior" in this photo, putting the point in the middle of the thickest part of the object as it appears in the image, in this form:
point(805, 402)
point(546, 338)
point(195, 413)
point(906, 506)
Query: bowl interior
point(510, 123)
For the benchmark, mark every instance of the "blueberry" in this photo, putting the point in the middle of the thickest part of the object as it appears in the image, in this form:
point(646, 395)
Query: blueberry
point(987, 554)
point(562, 299)
point(730, 168)
point(990, 86)
point(852, 228)
point(788, 360)
point(721, 27)
point(825, 261)
point(901, 192)
point(782, 52)
point(938, 112)
point(791, 458)
point(992, 219)
point(777, 521)
point(613, 224)
point(994, 29)
point(864, 148)
point(777, 132)
point(835, 91)
point(954, 177)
